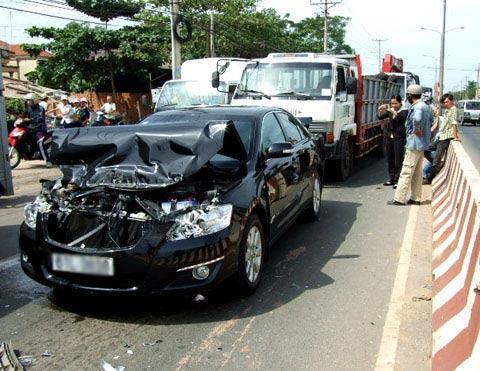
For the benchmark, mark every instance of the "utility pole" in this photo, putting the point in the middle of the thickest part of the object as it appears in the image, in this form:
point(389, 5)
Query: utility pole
point(380, 41)
point(176, 46)
point(466, 87)
point(6, 183)
point(212, 36)
point(442, 51)
point(477, 87)
point(327, 5)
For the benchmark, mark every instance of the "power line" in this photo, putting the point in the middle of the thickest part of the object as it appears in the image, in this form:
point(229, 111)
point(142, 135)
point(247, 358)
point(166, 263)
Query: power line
point(379, 41)
point(55, 16)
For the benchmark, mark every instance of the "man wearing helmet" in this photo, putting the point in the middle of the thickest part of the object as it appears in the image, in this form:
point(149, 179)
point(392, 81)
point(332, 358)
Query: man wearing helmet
point(36, 121)
point(418, 125)
point(66, 110)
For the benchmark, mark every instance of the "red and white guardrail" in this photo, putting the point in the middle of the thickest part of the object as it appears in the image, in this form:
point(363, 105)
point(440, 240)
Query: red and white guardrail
point(455, 264)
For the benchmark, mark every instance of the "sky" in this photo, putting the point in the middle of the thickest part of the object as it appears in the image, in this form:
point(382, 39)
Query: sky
point(398, 22)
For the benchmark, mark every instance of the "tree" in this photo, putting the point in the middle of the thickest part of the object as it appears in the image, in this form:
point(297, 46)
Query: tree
point(106, 10)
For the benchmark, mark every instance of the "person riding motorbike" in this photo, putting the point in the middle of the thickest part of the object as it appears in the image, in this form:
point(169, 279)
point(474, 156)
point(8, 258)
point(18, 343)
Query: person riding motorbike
point(37, 124)
point(26, 140)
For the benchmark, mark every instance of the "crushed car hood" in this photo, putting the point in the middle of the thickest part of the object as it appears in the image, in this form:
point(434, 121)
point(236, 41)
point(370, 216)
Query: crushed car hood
point(142, 156)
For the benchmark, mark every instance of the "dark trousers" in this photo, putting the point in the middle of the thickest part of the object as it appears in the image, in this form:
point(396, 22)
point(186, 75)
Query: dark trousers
point(442, 148)
point(395, 150)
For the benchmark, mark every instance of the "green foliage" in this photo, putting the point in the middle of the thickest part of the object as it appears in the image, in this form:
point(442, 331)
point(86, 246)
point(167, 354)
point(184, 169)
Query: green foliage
point(468, 93)
point(106, 10)
point(14, 106)
point(85, 57)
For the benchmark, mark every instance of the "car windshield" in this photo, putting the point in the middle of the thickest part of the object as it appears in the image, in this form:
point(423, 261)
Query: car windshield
point(190, 93)
point(287, 79)
point(472, 106)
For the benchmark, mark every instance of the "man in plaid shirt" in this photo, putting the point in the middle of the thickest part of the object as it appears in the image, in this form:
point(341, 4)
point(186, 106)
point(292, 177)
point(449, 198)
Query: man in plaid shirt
point(448, 130)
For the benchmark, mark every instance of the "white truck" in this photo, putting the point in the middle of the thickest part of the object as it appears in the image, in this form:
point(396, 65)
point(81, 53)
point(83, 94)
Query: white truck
point(328, 94)
point(393, 67)
point(195, 87)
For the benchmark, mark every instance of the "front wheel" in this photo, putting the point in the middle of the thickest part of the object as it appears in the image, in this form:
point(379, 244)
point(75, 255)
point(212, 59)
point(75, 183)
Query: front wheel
point(313, 210)
point(14, 157)
point(251, 257)
point(344, 165)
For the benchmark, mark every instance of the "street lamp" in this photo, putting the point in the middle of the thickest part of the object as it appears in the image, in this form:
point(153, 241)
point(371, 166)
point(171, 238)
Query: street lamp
point(442, 46)
point(451, 29)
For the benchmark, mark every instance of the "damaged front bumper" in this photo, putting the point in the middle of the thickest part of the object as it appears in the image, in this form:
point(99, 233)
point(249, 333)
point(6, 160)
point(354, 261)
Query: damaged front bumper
point(150, 266)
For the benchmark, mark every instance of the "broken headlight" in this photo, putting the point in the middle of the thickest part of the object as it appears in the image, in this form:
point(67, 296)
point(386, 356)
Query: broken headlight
point(31, 210)
point(200, 222)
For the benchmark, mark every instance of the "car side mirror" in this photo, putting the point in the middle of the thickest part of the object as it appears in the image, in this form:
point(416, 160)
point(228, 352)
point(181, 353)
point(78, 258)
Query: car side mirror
point(282, 149)
point(351, 85)
point(215, 79)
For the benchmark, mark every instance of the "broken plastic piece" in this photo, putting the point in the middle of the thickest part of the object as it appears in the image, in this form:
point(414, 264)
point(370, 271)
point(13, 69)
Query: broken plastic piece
point(108, 367)
point(47, 354)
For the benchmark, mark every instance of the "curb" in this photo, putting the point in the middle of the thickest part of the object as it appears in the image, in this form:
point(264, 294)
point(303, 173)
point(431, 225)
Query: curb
point(455, 268)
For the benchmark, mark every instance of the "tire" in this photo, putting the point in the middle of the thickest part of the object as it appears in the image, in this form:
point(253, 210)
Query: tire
point(246, 279)
point(313, 209)
point(344, 165)
point(14, 157)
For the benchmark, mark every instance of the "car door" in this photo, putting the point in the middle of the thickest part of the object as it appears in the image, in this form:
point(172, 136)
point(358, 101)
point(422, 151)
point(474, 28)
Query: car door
point(278, 173)
point(300, 160)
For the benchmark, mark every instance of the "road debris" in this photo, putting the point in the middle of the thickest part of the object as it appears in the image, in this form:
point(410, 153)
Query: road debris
point(151, 344)
point(199, 298)
point(421, 298)
point(130, 352)
point(47, 354)
point(108, 367)
point(8, 359)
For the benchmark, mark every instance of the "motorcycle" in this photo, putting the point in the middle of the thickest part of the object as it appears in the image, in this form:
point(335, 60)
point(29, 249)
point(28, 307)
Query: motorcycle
point(102, 120)
point(23, 145)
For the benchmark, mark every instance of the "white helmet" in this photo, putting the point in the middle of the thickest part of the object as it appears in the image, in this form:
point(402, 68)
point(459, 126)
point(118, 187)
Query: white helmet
point(31, 96)
point(414, 89)
point(64, 97)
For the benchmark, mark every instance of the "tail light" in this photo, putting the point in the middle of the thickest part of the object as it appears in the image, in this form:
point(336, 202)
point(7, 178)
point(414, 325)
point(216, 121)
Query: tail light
point(330, 137)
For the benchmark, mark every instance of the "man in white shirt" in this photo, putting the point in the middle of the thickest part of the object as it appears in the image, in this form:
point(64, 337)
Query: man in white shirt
point(66, 110)
point(109, 108)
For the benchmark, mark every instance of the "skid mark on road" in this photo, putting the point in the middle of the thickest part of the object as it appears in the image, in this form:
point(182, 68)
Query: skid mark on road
point(388, 345)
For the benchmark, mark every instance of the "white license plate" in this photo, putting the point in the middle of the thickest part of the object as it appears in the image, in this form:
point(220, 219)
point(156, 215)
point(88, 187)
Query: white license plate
point(83, 264)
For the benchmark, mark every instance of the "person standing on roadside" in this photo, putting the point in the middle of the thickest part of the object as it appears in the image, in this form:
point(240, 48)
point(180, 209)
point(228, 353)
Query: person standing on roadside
point(447, 131)
point(394, 137)
point(418, 125)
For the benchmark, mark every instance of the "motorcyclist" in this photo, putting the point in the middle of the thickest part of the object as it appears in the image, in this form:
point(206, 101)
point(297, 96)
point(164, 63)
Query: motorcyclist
point(37, 126)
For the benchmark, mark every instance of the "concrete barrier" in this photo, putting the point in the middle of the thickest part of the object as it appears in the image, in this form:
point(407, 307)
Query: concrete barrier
point(455, 264)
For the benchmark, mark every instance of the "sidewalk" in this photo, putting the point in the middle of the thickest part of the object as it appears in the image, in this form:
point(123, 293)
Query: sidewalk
point(30, 172)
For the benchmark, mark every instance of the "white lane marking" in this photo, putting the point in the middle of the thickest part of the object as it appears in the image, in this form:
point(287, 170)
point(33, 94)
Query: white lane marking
point(9, 262)
point(391, 329)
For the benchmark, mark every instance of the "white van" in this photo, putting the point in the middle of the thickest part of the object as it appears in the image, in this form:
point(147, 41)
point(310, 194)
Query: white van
point(469, 111)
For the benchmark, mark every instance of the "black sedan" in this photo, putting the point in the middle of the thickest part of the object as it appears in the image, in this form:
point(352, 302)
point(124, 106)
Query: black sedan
point(179, 202)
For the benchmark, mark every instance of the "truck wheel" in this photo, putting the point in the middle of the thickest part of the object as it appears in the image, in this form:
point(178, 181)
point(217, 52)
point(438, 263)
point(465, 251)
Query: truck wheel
point(251, 257)
point(344, 165)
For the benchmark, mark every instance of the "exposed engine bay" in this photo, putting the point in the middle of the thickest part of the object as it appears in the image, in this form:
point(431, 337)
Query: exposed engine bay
point(136, 184)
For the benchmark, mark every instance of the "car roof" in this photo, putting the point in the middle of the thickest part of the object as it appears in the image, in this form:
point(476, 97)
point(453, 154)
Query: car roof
point(218, 110)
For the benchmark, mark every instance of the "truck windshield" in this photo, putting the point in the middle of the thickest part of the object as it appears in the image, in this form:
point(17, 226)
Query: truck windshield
point(472, 106)
point(287, 79)
point(190, 93)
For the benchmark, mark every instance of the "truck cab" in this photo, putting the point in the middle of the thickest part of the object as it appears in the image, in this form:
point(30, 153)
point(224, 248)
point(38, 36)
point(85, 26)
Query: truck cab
point(195, 86)
point(315, 88)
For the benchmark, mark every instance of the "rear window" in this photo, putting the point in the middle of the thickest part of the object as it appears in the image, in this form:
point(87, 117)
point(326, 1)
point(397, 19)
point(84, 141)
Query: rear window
point(472, 106)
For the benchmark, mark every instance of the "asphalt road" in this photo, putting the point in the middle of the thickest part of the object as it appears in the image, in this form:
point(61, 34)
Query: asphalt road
point(321, 305)
point(470, 136)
